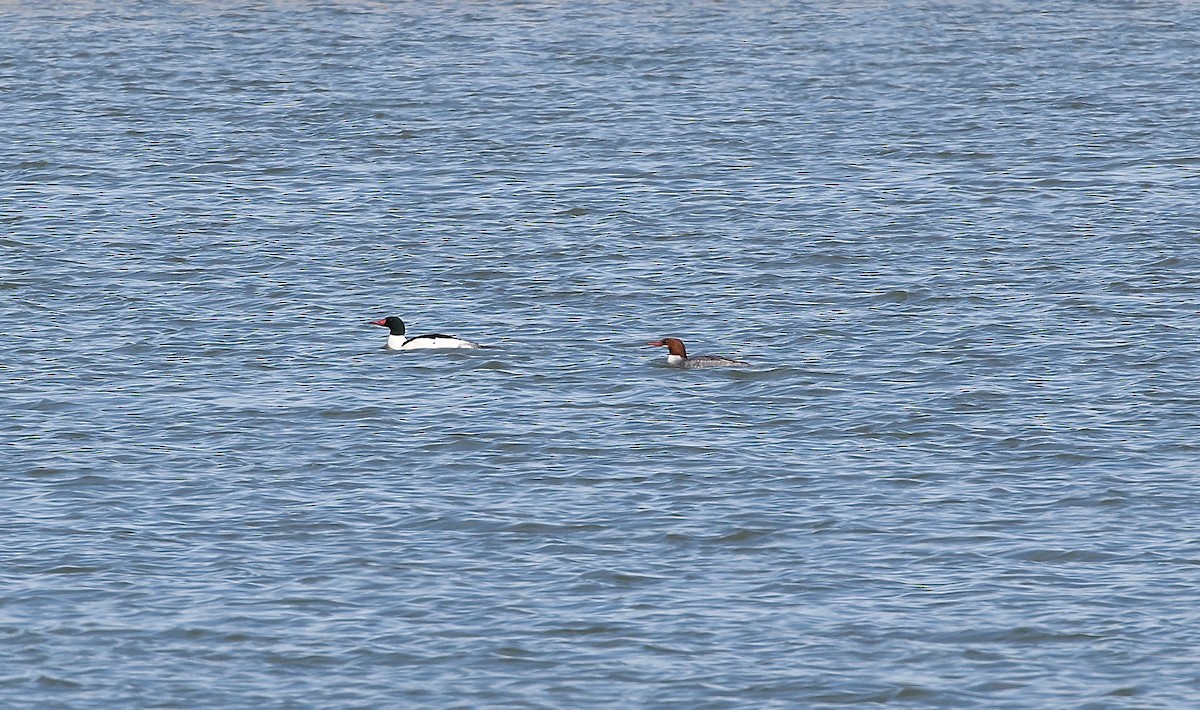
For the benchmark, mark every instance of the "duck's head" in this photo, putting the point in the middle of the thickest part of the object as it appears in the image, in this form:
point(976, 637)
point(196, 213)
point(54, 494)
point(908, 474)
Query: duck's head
point(674, 346)
point(392, 323)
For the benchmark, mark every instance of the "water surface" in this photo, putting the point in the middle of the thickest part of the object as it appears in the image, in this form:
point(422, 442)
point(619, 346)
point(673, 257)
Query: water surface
point(958, 241)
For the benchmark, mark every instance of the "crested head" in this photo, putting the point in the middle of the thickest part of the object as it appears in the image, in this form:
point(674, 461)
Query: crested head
point(392, 323)
point(674, 346)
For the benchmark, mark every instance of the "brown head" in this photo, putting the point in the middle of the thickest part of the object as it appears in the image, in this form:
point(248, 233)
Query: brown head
point(674, 346)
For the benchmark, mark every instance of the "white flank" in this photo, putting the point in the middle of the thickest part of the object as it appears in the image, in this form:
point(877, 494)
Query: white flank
point(420, 343)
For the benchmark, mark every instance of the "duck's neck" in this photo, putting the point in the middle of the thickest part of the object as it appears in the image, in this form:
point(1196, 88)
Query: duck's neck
point(676, 360)
point(395, 341)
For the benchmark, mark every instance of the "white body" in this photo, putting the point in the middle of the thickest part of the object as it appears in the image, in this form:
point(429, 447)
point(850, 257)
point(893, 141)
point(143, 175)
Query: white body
point(676, 360)
point(399, 342)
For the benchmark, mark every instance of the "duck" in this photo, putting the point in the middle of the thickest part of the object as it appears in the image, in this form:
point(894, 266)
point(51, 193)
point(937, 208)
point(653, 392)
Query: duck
point(434, 341)
point(677, 356)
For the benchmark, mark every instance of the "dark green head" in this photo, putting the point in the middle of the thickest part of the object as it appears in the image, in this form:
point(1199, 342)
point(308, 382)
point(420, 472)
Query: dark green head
point(392, 323)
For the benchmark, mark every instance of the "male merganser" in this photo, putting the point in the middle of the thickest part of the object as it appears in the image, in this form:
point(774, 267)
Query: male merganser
point(677, 356)
point(434, 341)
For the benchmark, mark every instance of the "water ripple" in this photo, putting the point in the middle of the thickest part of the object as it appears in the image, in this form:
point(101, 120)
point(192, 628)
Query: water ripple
point(956, 245)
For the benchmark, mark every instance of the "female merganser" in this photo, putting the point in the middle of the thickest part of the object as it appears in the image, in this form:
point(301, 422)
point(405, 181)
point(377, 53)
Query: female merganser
point(434, 341)
point(677, 356)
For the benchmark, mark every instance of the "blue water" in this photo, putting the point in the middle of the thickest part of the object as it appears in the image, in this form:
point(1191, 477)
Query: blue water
point(957, 240)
